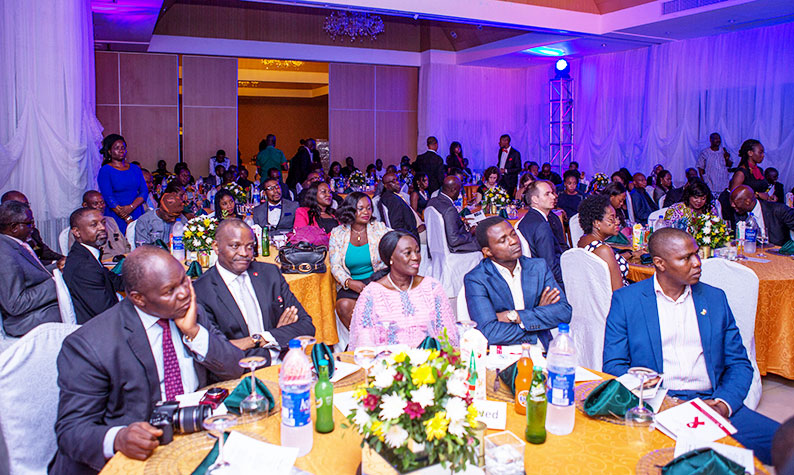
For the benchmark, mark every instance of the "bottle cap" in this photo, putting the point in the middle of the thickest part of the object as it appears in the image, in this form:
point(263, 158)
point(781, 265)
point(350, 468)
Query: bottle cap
point(294, 344)
point(323, 362)
point(563, 328)
point(537, 368)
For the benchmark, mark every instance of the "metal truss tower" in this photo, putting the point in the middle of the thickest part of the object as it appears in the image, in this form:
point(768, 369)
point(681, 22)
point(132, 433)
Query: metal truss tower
point(560, 124)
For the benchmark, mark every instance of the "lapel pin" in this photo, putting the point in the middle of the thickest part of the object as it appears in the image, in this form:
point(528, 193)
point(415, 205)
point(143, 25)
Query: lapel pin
point(256, 274)
point(703, 312)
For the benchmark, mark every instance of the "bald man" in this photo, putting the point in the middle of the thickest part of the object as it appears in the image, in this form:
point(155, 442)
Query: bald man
point(776, 219)
point(683, 328)
point(400, 215)
point(459, 239)
point(116, 244)
point(157, 223)
point(46, 255)
point(152, 346)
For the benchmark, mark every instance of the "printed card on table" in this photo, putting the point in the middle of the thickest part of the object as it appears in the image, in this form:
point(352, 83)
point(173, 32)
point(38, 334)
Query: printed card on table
point(694, 419)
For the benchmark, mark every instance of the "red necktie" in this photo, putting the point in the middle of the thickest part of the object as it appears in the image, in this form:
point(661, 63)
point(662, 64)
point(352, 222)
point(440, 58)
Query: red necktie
point(171, 373)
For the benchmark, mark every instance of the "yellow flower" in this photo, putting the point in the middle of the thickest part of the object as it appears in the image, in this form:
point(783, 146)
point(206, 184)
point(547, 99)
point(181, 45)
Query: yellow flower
point(188, 234)
point(433, 355)
point(199, 233)
point(472, 415)
point(207, 222)
point(360, 393)
point(377, 429)
point(422, 375)
point(400, 357)
point(436, 427)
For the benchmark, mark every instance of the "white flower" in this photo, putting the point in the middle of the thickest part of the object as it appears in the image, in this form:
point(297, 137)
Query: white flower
point(707, 239)
point(457, 428)
point(424, 396)
point(456, 384)
point(392, 406)
point(396, 436)
point(385, 377)
point(361, 418)
point(456, 409)
point(418, 356)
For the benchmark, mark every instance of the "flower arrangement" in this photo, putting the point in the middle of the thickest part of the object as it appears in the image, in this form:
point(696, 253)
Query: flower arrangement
point(709, 230)
point(240, 195)
point(418, 406)
point(496, 196)
point(200, 233)
point(357, 179)
point(598, 183)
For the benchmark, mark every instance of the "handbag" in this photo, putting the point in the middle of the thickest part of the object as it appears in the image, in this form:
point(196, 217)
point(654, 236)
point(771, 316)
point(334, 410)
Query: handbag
point(302, 258)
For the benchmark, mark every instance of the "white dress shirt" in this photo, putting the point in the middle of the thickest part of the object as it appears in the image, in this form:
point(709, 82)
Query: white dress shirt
point(758, 214)
point(503, 158)
point(274, 216)
point(242, 291)
point(545, 216)
point(513, 281)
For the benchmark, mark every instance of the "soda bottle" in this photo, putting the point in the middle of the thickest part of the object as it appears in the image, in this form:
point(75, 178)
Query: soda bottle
point(523, 379)
point(536, 409)
point(177, 244)
point(266, 241)
point(324, 400)
point(295, 381)
point(561, 365)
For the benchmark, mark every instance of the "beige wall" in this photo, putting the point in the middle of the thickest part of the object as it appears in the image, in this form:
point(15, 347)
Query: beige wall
point(372, 112)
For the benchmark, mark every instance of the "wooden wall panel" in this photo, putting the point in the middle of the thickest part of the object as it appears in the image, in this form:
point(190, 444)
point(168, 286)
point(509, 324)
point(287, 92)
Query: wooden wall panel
point(352, 135)
point(395, 135)
point(205, 81)
point(353, 86)
point(109, 117)
point(397, 88)
point(149, 79)
point(152, 134)
point(107, 78)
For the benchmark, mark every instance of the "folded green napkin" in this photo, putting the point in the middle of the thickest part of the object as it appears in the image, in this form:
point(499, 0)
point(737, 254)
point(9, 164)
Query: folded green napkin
point(503, 214)
point(159, 243)
point(702, 462)
point(321, 351)
point(117, 268)
point(210, 458)
point(465, 212)
point(610, 398)
point(787, 249)
point(618, 239)
point(430, 343)
point(194, 270)
point(508, 376)
point(242, 391)
point(646, 259)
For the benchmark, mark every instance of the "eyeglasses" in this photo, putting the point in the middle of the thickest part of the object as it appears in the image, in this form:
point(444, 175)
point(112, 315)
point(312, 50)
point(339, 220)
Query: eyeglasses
point(26, 223)
point(271, 187)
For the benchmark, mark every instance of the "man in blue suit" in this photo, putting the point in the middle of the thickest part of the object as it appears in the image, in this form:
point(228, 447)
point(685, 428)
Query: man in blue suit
point(513, 299)
point(536, 227)
point(676, 325)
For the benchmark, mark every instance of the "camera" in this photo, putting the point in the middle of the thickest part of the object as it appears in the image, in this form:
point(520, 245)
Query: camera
point(168, 416)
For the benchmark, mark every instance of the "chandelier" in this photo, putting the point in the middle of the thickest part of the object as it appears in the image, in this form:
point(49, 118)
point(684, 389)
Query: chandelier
point(281, 64)
point(353, 25)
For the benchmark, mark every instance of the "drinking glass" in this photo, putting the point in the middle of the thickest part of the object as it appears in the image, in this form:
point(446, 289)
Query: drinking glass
point(217, 426)
point(640, 416)
point(254, 404)
point(364, 356)
point(465, 326)
point(762, 239)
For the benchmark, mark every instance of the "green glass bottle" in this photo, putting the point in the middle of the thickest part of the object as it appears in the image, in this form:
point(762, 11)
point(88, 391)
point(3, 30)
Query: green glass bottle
point(265, 241)
point(324, 400)
point(536, 408)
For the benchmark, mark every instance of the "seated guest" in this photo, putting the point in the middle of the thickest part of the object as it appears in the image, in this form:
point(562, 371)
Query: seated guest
point(569, 197)
point(536, 228)
point(151, 201)
point(490, 180)
point(676, 195)
point(153, 346)
point(459, 239)
point(116, 244)
point(353, 251)
point(315, 209)
point(249, 301)
point(776, 219)
point(599, 222)
point(419, 197)
point(303, 187)
point(402, 307)
point(641, 201)
point(349, 167)
point(46, 255)
point(401, 216)
point(406, 177)
point(275, 212)
point(775, 192)
point(617, 197)
point(93, 286)
point(217, 178)
point(674, 324)
point(664, 183)
point(521, 189)
point(243, 180)
point(513, 299)
point(547, 174)
point(27, 289)
point(697, 200)
point(286, 193)
point(157, 223)
point(225, 206)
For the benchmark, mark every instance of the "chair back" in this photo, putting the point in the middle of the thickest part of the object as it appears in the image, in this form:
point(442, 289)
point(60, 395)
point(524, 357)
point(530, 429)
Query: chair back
point(589, 291)
point(576, 230)
point(661, 200)
point(29, 399)
point(376, 208)
point(525, 250)
point(630, 207)
point(436, 241)
point(63, 241)
point(462, 306)
point(65, 303)
point(658, 214)
point(386, 220)
point(130, 234)
point(740, 285)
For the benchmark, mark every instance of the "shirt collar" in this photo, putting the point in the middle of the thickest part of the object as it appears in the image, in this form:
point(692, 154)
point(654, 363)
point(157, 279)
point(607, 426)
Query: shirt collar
point(441, 193)
point(94, 251)
point(17, 240)
point(659, 292)
point(148, 320)
point(757, 209)
point(227, 275)
point(545, 216)
point(505, 271)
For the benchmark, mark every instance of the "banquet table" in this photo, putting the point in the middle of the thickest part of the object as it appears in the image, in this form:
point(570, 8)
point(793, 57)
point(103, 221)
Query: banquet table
point(774, 322)
point(593, 447)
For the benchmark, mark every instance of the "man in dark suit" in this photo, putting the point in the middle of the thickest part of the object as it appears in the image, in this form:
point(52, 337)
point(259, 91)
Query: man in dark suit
point(275, 212)
point(46, 255)
point(250, 302)
point(431, 164)
point(459, 239)
point(27, 289)
point(92, 286)
point(401, 216)
point(771, 174)
point(509, 164)
point(776, 219)
point(641, 201)
point(536, 229)
point(154, 345)
point(513, 299)
point(676, 195)
point(676, 325)
point(299, 166)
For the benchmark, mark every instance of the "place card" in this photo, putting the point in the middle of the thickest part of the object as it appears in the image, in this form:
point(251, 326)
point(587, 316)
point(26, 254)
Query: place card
point(343, 370)
point(740, 455)
point(345, 402)
point(694, 419)
point(492, 413)
point(247, 455)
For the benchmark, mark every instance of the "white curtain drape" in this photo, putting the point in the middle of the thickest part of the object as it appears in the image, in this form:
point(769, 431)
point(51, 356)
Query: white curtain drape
point(633, 109)
point(49, 134)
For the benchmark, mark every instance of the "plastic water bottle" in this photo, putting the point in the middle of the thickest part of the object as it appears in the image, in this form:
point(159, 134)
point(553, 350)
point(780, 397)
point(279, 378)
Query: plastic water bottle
point(177, 244)
point(561, 365)
point(750, 234)
point(295, 380)
point(255, 194)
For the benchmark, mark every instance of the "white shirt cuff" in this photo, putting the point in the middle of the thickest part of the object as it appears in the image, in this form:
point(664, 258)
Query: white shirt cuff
point(200, 344)
point(730, 409)
point(270, 341)
point(108, 445)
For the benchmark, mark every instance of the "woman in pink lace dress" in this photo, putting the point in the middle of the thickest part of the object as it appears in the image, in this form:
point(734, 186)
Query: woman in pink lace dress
point(401, 307)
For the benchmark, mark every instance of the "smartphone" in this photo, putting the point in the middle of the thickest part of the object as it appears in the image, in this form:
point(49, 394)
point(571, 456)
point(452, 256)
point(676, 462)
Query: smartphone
point(214, 397)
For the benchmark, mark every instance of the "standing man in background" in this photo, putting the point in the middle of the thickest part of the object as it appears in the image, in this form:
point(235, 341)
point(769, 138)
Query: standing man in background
point(431, 164)
point(713, 164)
point(270, 157)
point(509, 165)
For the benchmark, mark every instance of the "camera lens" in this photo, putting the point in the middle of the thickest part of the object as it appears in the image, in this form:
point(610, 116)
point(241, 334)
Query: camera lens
point(191, 419)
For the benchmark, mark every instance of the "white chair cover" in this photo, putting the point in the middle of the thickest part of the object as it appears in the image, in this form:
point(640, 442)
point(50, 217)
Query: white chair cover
point(343, 333)
point(462, 306)
point(375, 209)
point(425, 265)
point(718, 205)
point(661, 200)
point(64, 298)
point(658, 214)
point(576, 230)
point(386, 220)
point(740, 285)
point(63, 241)
point(29, 399)
point(589, 291)
point(130, 234)
point(447, 267)
point(630, 207)
point(525, 250)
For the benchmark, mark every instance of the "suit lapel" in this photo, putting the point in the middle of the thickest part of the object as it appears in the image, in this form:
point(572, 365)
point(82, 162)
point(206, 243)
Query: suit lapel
point(26, 254)
point(225, 296)
point(704, 328)
point(651, 314)
point(260, 290)
point(139, 344)
point(529, 281)
point(500, 287)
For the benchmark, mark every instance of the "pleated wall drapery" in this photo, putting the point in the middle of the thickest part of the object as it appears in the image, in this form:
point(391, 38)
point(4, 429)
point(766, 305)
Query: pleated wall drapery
point(633, 109)
point(49, 134)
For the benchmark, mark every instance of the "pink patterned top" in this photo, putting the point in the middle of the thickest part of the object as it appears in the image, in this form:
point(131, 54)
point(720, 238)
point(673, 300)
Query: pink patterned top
point(387, 317)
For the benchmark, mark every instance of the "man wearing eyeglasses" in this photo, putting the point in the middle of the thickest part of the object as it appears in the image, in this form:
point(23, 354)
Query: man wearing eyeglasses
point(275, 212)
point(27, 289)
point(46, 255)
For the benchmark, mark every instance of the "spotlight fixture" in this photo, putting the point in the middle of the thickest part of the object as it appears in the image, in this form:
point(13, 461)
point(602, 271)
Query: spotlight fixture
point(562, 69)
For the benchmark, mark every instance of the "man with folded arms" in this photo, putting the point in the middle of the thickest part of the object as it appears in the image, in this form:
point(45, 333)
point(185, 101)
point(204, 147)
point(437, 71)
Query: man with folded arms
point(250, 302)
point(276, 212)
point(676, 325)
point(153, 346)
point(93, 287)
point(513, 299)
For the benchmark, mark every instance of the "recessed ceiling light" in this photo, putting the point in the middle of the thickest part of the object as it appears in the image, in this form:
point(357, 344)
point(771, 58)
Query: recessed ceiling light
point(731, 21)
point(603, 45)
point(545, 51)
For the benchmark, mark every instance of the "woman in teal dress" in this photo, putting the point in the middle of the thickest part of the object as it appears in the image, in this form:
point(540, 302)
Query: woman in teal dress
point(121, 183)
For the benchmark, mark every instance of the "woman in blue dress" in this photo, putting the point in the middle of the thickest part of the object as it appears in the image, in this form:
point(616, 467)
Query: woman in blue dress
point(122, 184)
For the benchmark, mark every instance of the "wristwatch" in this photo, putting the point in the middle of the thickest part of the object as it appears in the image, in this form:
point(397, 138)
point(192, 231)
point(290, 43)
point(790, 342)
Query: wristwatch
point(258, 340)
point(512, 315)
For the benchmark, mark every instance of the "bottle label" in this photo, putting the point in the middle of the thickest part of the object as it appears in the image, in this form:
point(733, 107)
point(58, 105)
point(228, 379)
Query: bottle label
point(295, 409)
point(560, 390)
point(750, 234)
point(323, 401)
point(521, 397)
point(177, 243)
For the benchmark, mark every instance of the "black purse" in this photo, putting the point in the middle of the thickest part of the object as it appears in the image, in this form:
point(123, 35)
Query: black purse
point(302, 258)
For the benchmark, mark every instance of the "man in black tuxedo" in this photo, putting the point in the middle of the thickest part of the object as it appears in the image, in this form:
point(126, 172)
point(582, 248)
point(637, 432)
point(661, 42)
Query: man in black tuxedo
point(299, 166)
point(459, 239)
point(250, 302)
point(92, 286)
point(401, 216)
point(509, 165)
point(275, 212)
point(154, 345)
point(536, 228)
point(431, 164)
point(776, 218)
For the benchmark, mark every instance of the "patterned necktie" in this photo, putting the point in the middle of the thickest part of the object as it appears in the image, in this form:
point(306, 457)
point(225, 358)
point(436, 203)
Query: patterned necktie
point(171, 373)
